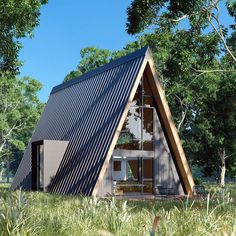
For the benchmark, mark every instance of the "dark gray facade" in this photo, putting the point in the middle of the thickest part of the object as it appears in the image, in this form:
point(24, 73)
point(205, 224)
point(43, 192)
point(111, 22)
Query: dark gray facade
point(53, 153)
point(85, 112)
point(167, 179)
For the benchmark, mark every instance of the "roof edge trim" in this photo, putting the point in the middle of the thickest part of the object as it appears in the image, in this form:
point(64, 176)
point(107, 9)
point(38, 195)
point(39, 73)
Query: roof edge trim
point(112, 64)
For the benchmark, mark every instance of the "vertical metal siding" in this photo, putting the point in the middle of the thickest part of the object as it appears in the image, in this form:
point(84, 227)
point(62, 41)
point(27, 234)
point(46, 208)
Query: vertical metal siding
point(86, 113)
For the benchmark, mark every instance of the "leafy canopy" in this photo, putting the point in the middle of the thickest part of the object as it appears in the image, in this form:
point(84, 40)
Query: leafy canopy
point(91, 58)
point(18, 18)
point(20, 109)
point(149, 14)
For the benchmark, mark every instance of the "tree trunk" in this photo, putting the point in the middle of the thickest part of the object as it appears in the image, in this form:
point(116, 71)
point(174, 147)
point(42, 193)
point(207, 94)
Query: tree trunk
point(8, 171)
point(1, 172)
point(184, 110)
point(181, 123)
point(222, 167)
point(1, 147)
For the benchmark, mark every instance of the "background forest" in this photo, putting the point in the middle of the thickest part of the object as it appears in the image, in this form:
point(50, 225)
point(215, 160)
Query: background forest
point(195, 56)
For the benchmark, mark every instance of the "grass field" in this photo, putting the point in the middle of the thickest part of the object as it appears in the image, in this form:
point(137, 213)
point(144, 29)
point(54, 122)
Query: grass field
point(44, 214)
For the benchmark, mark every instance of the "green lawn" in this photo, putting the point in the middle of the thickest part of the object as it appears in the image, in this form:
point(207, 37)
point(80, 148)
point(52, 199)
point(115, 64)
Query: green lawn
point(44, 214)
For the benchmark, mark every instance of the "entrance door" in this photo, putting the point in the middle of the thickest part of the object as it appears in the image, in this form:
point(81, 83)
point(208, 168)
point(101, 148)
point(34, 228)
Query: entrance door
point(37, 166)
point(132, 175)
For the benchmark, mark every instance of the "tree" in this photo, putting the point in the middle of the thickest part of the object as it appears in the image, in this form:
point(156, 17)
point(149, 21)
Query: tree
point(211, 138)
point(194, 71)
point(198, 14)
point(18, 18)
point(19, 105)
point(91, 58)
point(20, 109)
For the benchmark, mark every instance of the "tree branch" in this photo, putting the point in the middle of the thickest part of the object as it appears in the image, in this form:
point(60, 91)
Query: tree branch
point(212, 71)
point(4, 136)
point(184, 110)
point(211, 6)
point(184, 113)
point(230, 155)
point(219, 30)
point(2, 155)
point(179, 19)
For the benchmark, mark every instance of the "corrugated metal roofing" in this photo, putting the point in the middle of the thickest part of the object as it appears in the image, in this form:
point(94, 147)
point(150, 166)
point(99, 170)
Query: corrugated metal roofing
point(85, 111)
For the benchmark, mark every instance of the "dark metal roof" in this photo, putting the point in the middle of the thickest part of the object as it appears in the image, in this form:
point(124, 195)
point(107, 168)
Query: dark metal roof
point(139, 53)
point(85, 111)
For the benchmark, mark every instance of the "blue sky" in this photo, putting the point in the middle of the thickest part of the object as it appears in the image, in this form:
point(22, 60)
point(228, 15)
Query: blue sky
point(67, 26)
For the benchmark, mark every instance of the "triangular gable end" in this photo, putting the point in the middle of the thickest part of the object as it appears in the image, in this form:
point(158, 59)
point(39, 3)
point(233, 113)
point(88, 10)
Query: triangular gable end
point(88, 114)
point(164, 115)
point(85, 112)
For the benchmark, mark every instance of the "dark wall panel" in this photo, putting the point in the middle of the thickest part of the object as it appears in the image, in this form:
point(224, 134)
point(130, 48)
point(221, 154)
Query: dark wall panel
point(167, 179)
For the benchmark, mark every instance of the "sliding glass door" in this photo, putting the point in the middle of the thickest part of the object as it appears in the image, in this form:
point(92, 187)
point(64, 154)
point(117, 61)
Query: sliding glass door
point(132, 175)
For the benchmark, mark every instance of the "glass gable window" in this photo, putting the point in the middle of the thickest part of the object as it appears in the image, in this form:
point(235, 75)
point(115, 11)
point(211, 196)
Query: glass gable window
point(132, 126)
point(137, 131)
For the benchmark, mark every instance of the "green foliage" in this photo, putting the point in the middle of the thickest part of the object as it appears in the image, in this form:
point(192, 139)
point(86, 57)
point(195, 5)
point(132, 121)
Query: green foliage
point(213, 129)
point(44, 214)
point(117, 216)
point(197, 181)
point(19, 104)
point(91, 58)
point(19, 111)
point(231, 6)
point(146, 14)
point(72, 75)
point(18, 18)
point(13, 217)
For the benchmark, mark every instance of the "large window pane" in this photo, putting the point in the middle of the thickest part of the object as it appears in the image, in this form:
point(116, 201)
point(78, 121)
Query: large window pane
point(137, 131)
point(137, 100)
point(132, 125)
point(133, 169)
point(148, 101)
point(147, 123)
point(146, 87)
point(131, 183)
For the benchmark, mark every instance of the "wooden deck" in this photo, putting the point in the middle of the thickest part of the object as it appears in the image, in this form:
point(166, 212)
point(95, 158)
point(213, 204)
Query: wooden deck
point(144, 197)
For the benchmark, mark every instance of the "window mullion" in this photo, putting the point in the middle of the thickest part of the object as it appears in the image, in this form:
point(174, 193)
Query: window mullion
point(142, 113)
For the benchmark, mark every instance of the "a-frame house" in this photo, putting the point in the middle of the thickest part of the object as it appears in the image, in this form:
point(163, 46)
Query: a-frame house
point(108, 131)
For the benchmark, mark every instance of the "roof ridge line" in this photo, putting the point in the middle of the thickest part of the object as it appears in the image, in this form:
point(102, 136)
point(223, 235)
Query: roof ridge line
point(101, 69)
